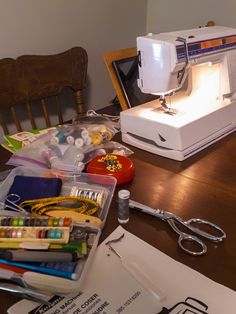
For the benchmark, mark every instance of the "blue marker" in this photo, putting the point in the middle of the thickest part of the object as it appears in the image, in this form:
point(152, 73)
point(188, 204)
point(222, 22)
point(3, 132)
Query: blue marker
point(65, 270)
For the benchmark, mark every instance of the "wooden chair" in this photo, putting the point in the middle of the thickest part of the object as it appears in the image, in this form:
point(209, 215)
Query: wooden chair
point(109, 57)
point(38, 81)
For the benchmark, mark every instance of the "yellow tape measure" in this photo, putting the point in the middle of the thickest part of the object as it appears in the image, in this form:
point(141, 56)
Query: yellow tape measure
point(77, 204)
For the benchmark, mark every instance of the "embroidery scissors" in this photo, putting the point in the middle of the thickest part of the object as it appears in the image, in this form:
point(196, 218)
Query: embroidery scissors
point(14, 283)
point(11, 203)
point(174, 221)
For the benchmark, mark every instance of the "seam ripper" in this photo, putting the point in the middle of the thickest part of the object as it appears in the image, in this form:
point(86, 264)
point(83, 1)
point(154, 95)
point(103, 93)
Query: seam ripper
point(136, 271)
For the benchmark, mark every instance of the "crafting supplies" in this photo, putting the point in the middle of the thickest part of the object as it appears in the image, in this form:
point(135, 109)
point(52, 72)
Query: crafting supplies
point(75, 216)
point(34, 234)
point(80, 247)
point(8, 221)
point(60, 269)
point(37, 256)
point(91, 194)
point(47, 283)
point(27, 187)
point(35, 229)
point(85, 198)
point(76, 203)
point(25, 293)
point(12, 276)
point(14, 269)
point(118, 166)
point(91, 239)
point(52, 173)
point(63, 260)
point(79, 234)
point(123, 206)
point(11, 200)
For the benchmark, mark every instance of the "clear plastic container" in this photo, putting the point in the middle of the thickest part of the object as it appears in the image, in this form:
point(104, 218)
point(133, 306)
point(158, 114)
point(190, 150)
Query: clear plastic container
point(72, 184)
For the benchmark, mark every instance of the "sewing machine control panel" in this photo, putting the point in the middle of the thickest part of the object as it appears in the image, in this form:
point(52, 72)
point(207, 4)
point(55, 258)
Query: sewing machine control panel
point(203, 47)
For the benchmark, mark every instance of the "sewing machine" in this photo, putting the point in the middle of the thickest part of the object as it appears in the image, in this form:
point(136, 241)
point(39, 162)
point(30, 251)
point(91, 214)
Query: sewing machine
point(194, 73)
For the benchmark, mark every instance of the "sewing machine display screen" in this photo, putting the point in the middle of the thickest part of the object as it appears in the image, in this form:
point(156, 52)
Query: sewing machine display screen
point(127, 74)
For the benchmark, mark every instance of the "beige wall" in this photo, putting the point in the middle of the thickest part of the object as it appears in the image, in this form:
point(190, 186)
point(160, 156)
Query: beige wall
point(168, 15)
point(52, 26)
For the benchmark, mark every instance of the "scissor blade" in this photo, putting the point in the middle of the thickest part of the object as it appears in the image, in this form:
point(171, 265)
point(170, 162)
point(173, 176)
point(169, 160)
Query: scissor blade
point(145, 209)
point(24, 292)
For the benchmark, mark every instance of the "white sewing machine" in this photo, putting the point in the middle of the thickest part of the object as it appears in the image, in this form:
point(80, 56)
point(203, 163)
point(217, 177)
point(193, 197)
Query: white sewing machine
point(194, 72)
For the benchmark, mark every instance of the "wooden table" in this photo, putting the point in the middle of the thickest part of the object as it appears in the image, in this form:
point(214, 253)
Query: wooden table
point(203, 186)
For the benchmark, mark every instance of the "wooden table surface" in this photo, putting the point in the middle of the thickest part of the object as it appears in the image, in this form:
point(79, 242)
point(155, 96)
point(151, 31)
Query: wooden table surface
point(203, 186)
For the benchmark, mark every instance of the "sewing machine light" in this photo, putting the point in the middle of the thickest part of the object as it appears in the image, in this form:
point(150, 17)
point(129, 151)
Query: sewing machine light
point(208, 63)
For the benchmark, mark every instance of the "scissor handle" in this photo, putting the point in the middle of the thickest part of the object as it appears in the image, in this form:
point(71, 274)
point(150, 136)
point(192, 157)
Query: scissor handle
point(209, 236)
point(183, 237)
point(14, 198)
point(11, 202)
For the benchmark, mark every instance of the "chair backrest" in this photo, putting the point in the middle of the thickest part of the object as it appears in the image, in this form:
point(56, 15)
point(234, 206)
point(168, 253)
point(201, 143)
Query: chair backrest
point(35, 80)
point(109, 57)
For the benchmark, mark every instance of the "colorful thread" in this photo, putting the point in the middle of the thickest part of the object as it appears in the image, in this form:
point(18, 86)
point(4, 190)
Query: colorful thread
point(35, 222)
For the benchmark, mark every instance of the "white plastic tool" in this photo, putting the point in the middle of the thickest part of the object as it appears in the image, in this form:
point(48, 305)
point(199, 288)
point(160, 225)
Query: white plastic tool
point(46, 282)
point(137, 272)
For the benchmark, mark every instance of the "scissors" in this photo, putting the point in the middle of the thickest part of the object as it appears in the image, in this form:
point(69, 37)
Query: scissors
point(26, 293)
point(14, 283)
point(11, 203)
point(174, 220)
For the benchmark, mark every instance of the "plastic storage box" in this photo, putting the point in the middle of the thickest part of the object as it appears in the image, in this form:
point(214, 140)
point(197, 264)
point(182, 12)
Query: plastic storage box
point(105, 185)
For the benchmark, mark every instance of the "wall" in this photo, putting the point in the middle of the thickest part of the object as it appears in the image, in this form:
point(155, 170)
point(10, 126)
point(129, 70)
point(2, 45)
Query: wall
point(52, 26)
point(168, 15)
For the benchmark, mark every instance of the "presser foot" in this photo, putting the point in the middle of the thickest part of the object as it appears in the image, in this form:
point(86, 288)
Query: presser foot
point(165, 107)
point(170, 111)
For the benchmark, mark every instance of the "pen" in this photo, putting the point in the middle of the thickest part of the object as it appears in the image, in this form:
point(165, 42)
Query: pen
point(80, 247)
point(37, 256)
point(60, 269)
point(40, 281)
